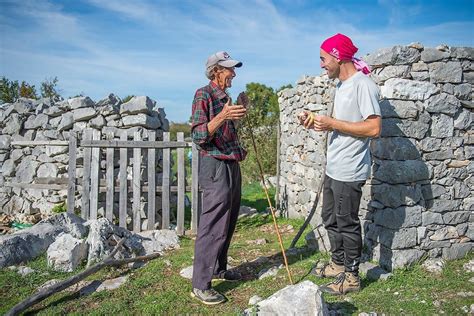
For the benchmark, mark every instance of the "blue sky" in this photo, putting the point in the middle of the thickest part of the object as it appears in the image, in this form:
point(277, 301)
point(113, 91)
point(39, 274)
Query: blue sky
point(159, 48)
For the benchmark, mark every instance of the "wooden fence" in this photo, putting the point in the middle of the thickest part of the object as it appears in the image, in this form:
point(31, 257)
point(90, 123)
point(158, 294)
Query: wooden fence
point(94, 181)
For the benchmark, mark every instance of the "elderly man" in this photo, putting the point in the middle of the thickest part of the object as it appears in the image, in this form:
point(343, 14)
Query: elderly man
point(215, 134)
point(356, 119)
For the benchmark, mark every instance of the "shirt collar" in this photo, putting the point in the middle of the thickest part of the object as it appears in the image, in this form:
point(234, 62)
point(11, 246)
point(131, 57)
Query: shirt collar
point(217, 90)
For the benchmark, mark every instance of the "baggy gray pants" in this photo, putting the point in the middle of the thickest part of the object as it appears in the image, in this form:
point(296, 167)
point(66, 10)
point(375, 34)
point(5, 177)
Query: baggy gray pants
point(340, 214)
point(220, 181)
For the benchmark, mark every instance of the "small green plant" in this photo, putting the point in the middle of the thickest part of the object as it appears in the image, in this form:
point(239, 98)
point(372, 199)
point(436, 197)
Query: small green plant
point(60, 208)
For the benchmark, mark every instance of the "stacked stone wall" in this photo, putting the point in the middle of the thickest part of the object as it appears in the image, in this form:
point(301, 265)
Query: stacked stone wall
point(419, 199)
point(48, 120)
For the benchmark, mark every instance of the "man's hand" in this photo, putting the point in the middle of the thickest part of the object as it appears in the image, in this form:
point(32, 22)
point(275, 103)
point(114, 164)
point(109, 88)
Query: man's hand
point(323, 123)
point(306, 119)
point(232, 112)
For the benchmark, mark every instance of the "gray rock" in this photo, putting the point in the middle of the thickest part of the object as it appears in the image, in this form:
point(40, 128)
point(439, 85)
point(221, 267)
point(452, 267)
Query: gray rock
point(392, 259)
point(27, 244)
point(463, 119)
point(269, 272)
point(66, 253)
point(26, 170)
point(80, 102)
point(392, 72)
point(187, 273)
point(444, 233)
point(442, 206)
point(52, 151)
point(443, 103)
point(395, 148)
point(429, 218)
point(432, 54)
point(13, 125)
point(398, 239)
point(405, 216)
point(53, 111)
point(139, 104)
point(434, 265)
point(304, 298)
point(398, 109)
point(159, 240)
point(8, 168)
point(397, 55)
point(404, 89)
point(450, 71)
point(67, 121)
point(439, 155)
point(408, 171)
point(255, 299)
point(5, 141)
point(463, 52)
point(141, 120)
point(394, 196)
point(430, 144)
point(97, 122)
point(419, 66)
point(374, 272)
point(454, 218)
point(469, 266)
point(47, 170)
point(83, 114)
point(442, 126)
point(463, 91)
point(393, 127)
point(36, 121)
point(457, 251)
point(420, 75)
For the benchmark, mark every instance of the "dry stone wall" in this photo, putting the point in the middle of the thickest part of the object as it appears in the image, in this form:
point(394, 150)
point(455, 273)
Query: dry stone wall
point(419, 201)
point(45, 119)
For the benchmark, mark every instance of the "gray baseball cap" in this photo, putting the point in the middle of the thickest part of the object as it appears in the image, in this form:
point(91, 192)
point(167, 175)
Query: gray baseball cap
point(223, 59)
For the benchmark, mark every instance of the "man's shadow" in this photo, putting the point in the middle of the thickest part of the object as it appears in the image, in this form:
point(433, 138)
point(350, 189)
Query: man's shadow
point(395, 197)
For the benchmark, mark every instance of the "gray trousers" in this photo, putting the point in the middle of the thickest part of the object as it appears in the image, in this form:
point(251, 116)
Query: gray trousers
point(220, 181)
point(340, 214)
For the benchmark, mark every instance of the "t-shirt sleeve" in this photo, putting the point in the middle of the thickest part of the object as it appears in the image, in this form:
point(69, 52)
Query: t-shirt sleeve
point(368, 95)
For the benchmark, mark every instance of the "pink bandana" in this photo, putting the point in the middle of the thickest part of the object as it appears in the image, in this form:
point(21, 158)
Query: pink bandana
point(341, 47)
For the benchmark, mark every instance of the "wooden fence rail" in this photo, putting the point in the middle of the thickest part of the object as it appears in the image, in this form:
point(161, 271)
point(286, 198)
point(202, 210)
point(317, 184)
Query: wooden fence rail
point(99, 176)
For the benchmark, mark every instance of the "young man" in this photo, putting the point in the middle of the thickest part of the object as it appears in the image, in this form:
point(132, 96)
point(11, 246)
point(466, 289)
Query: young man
point(214, 133)
point(356, 119)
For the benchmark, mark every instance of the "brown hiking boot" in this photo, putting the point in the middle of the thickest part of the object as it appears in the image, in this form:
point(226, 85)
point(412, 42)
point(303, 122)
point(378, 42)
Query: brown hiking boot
point(346, 282)
point(328, 270)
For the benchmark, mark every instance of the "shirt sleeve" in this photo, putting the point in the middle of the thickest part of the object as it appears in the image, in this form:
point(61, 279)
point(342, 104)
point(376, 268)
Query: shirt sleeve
point(368, 98)
point(200, 117)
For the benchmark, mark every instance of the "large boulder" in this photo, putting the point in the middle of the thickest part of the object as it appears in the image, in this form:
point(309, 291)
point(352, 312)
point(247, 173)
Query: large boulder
point(301, 299)
point(31, 242)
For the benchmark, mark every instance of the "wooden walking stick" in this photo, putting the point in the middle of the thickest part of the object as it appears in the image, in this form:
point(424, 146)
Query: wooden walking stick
point(243, 100)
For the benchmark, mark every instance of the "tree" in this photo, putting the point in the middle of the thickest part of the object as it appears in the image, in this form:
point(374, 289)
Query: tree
point(8, 90)
point(49, 88)
point(27, 91)
point(261, 121)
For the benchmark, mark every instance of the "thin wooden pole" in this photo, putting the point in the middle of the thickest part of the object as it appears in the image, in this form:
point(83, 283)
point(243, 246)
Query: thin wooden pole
point(271, 207)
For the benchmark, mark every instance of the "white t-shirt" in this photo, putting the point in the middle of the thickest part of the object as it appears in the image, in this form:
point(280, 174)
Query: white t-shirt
point(348, 157)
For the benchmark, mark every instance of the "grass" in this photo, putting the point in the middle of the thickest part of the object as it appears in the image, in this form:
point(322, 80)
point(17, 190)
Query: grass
point(157, 288)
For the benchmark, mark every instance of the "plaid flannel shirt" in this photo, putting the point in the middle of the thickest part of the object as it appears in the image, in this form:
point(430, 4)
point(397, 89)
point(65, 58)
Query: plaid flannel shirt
point(224, 144)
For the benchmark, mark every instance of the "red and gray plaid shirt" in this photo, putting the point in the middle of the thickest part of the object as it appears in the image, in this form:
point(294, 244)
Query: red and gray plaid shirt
point(224, 144)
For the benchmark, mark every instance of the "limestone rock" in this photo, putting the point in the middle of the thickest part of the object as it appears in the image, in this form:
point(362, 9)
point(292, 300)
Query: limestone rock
point(304, 298)
point(80, 102)
point(138, 104)
point(404, 89)
point(66, 253)
point(450, 71)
